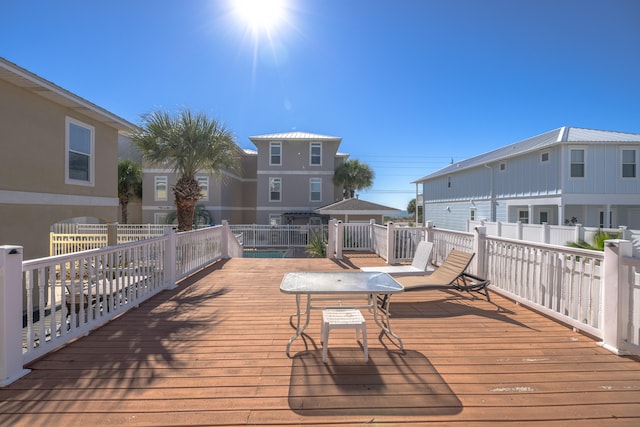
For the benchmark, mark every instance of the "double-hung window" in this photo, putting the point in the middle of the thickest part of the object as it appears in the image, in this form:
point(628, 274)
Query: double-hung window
point(315, 154)
point(629, 169)
point(275, 189)
point(315, 189)
point(577, 163)
point(203, 183)
point(80, 156)
point(275, 153)
point(160, 187)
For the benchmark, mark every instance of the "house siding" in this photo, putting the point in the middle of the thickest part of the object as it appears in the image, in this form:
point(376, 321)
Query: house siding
point(32, 140)
point(545, 190)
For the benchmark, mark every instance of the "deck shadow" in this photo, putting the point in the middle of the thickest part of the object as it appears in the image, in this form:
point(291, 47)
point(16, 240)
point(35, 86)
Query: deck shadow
point(390, 383)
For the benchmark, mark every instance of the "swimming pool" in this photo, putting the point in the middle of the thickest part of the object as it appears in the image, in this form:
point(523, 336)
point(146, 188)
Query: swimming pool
point(265, 253)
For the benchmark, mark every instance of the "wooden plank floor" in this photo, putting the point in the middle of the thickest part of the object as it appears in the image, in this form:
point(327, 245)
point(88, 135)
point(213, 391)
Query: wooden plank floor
point(212, 352)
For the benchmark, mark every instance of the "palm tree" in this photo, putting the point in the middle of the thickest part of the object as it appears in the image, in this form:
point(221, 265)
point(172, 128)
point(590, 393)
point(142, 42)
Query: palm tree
point(353, 175)
point(187, 143)
point(129, 184)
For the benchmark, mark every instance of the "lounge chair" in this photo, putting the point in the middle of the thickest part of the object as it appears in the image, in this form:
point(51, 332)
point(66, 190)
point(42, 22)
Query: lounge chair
point(419, 265)
point(450, 274)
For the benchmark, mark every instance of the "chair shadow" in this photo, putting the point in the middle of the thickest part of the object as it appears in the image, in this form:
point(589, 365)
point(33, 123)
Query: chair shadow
point(452, 306)
point(390, 383)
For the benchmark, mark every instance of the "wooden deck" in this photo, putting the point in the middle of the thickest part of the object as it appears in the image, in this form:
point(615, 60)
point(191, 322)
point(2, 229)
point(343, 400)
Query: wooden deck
point(212, 352)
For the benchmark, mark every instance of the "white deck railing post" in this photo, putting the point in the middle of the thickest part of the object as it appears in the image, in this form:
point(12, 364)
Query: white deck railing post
point(170, 258)
point(331, 238)
point(226, 235)
point(479, 247)
point(429, 231)
point(11, 367)
point(339, 239)
point(391, 247)
point(614, 295)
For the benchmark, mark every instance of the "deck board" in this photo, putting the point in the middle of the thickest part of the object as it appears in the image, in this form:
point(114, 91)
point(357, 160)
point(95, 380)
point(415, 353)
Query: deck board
point(212, 352)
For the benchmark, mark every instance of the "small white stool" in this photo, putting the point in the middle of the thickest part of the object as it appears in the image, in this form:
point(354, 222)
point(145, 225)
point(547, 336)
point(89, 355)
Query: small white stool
point(343, 318)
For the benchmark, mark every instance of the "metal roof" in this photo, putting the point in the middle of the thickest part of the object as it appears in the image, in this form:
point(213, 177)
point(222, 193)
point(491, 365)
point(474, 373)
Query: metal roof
point(557, 136)
point(355, 206)
point(294, 136)
point(35, 84)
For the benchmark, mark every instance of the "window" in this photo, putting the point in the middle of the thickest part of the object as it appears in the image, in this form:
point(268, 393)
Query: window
point(203, 183)
point(577, 163)
point(503, 167)
point(315, 189)
point(472, 214)
point(523, 216)
point(160, 218)
point(275, 189)
point(80, 155)
point(275, 219)
point(160, 185)
point(275, 153)
point(448, 182)
point(544, 157)
point(315, 154)
point(628, 163)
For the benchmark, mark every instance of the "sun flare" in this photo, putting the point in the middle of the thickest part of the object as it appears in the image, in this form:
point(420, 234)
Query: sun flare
point(260, 14)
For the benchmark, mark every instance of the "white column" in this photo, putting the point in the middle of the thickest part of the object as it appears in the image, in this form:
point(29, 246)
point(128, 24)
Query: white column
point(614, 295)
point(11, 367)
point(170, 258)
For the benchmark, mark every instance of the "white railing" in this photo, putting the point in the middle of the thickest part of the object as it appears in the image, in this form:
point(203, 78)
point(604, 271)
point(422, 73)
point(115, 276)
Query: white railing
point(270, 236)
point(553, 234)
point(47, 302)
point(556, 280)
point(595, 292)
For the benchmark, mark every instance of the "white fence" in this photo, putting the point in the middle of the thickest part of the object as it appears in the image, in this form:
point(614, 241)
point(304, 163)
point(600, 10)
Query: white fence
point(552, 234)
point(47, 302)
point(273, 236)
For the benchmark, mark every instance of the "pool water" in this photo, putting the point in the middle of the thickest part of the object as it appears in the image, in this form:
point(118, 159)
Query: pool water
point(265, 253)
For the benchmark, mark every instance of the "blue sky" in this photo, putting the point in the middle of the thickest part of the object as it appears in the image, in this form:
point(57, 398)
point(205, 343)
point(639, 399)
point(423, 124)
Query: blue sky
point(409, 85)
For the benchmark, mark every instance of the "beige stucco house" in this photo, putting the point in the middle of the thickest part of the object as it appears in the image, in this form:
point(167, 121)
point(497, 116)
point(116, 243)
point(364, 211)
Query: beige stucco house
point(59, 159)
point(284, 181)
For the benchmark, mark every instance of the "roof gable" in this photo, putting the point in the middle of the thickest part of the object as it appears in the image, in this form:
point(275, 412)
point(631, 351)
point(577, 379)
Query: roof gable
point(539, 142)
point(355, 205)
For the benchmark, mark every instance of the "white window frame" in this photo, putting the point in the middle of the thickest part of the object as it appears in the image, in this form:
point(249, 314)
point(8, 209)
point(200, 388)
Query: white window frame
point(90, 181)
point(157, 180)
point(584, 163)
point(634, 164)
point(312, 182)
point(543, 155)
point(272, 146)
point(272, 182)
point(312, 156)
point(203, 183)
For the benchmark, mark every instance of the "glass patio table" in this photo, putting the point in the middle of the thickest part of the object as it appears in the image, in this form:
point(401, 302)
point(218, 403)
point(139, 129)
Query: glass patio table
point(372, 290)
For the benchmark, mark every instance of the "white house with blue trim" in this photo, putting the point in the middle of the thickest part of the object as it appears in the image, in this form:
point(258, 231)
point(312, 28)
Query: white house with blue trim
point(567, 175)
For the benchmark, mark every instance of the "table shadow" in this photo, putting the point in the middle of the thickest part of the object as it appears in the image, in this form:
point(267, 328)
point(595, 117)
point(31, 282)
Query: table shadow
point(390, 383)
